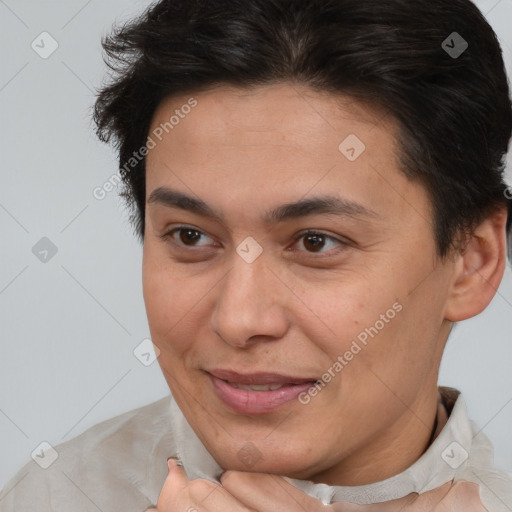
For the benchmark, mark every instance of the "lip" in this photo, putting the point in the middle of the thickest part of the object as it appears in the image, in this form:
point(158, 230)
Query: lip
point(244, 401)
point(258, 378)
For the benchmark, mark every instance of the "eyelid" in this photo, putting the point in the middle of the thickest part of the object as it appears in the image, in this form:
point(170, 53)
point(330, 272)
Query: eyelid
point(343, 241)
point(310, 231)
point(170, 231)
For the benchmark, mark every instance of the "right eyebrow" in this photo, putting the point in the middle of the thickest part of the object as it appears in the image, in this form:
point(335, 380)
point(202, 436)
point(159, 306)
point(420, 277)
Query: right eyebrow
point(331, 205)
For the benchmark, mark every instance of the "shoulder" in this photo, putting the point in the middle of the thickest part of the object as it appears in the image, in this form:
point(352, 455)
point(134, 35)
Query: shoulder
point(475, 456)
point(118, 464)
point(495, 484)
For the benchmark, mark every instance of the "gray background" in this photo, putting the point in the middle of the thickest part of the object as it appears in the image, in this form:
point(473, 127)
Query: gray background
point(69, 326)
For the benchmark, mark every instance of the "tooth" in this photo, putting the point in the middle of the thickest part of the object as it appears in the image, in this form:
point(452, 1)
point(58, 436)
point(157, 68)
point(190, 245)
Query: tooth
point(257, 387)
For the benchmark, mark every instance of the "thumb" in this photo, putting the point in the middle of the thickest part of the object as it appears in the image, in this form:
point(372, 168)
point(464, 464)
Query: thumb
point(176, 475)
point(175, 481)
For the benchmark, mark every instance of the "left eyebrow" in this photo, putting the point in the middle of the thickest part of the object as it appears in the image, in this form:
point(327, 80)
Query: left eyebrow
point(331, 205)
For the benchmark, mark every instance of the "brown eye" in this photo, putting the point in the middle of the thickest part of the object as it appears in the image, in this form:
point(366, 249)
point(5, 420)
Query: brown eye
point(316, 242)
point(189, 235)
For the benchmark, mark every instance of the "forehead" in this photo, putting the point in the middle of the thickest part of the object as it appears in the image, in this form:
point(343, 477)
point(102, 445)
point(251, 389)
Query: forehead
point(274, 144)
point(269, 113)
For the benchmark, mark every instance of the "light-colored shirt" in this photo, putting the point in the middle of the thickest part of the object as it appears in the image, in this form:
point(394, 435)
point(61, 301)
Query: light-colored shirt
point(121, 465)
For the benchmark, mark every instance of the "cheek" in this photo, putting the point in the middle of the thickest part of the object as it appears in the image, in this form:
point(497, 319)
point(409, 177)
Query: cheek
point(159, 296)
point(166, 288)
point(399, 356)
point(364, 321)
point(164, 309)
point(347, 311)
point(163, 296)
point(176, 302)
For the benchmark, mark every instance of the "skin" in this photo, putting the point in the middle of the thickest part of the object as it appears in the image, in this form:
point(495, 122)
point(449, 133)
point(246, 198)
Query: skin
point(293, 310)
point(268, 493)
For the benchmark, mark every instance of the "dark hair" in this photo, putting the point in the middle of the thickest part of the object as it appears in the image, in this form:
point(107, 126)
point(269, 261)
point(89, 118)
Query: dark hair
point(454, 111)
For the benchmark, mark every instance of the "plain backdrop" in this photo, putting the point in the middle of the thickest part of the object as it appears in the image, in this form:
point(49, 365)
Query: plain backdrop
point(69, 326)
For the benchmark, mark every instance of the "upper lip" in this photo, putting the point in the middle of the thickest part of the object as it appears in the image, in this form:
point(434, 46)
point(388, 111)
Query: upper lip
point(257, 378)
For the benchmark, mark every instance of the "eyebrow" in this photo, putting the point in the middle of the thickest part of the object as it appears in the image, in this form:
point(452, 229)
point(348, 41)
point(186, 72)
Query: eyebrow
point(331, 205)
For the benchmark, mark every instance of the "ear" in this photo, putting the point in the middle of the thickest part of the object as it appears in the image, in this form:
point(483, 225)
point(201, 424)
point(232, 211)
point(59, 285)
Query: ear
point(478, 269)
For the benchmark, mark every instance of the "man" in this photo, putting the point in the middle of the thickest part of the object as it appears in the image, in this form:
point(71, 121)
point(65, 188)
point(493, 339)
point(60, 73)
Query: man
point(319, 189)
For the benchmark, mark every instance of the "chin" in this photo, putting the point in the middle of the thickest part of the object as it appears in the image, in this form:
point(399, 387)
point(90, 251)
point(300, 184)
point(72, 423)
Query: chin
point(252, 459)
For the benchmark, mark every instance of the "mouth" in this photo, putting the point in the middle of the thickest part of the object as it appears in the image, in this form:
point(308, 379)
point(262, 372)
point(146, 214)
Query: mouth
point(257, 393)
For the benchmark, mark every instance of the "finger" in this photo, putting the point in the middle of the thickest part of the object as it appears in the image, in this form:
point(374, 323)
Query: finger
point(462, 496)
point(175, 484)
point(268, 493)
point(176, 477)
point(446, 498)
point(449, 497)
point(398, 505)
point(412, 502)
point(180, 493)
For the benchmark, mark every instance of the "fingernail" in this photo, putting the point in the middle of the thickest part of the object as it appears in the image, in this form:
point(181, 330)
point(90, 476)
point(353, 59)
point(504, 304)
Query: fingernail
point(176, 461)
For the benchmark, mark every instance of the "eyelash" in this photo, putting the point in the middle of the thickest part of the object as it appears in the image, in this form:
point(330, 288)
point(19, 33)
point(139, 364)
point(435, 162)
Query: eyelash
point(344, 244)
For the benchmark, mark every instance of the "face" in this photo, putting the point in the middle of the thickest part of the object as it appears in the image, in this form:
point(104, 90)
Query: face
point(291, 283)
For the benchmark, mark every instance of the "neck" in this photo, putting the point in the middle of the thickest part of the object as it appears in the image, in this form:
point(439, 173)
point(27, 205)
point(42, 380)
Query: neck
point(393, 450)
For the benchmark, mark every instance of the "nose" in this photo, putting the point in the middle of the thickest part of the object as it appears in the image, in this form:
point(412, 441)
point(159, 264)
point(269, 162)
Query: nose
point(250, 304)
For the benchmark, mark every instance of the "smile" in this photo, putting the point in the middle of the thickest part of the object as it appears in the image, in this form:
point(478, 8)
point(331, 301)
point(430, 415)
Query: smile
point(258, 393)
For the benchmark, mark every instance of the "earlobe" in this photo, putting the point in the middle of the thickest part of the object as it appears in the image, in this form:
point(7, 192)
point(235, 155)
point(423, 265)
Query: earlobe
point(479, 269)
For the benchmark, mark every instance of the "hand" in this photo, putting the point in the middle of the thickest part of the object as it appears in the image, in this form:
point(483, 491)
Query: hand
point(460, 496)
point(257, 492)
point(270, 493)
point(238, 492)
point(179, 494)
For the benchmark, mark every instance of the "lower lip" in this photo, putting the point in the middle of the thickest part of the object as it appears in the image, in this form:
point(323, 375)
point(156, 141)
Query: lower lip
point(244, 401)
